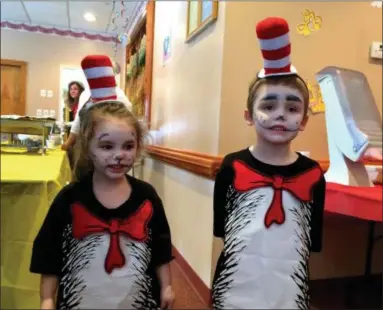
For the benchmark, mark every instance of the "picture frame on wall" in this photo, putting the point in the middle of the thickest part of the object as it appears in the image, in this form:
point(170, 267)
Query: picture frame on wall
point(200, 14)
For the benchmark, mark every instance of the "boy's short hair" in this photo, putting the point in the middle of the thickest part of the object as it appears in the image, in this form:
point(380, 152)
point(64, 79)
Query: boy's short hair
point(293, 81)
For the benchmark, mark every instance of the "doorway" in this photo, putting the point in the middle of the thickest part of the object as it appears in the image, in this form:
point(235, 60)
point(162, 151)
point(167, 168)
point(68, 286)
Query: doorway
point(13, 87)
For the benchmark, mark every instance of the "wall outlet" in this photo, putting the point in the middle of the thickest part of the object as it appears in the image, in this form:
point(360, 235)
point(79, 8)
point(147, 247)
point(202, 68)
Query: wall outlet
point(39, 113)
point(43, 93)
point(49, 93)
point(45, 113)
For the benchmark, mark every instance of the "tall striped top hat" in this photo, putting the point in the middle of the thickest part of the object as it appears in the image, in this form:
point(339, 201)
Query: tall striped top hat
point(274, 40)
point(99, 72)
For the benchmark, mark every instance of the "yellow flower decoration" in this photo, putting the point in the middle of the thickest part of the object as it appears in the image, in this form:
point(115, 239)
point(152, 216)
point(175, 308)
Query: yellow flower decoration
point(311, 23)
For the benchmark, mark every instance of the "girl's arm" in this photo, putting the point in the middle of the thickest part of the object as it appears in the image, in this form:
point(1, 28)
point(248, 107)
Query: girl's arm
point(162, 252)
point(47, 253)
point(164, 275)
point(167, 295)
point(48, 289)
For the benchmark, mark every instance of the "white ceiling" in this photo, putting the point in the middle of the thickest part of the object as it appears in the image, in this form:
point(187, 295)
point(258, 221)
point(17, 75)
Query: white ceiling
point(69, 14)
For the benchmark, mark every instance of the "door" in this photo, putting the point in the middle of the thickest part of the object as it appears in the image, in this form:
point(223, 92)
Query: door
point(13, 86)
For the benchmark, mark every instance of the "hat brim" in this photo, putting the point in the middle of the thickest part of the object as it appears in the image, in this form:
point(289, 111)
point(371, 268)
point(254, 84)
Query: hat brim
point(293, 71)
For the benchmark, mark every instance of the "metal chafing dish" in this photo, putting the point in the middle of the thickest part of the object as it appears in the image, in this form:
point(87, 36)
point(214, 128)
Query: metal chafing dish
point(13, 126)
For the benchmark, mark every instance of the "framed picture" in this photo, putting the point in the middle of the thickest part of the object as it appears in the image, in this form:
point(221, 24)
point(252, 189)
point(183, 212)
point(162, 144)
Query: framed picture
point(200, 15)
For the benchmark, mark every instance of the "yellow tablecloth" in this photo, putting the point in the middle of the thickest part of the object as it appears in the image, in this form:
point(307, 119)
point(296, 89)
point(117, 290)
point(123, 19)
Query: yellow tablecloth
point(29, 183)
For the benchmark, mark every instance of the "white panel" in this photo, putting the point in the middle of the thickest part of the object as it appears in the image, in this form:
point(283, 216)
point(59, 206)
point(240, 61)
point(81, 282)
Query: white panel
point(52, 13)
point(101, 10)
point(13, 11)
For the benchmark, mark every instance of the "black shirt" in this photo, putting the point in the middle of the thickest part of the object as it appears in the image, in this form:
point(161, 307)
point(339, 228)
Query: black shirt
point(104, 258)
point(270, 218)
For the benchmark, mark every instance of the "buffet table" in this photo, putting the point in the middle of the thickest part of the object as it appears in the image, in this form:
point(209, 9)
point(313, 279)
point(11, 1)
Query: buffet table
point(29, 184)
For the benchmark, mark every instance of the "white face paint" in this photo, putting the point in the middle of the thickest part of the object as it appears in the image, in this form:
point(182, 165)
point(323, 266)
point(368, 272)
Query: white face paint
point(278, 113)
point(113, 148)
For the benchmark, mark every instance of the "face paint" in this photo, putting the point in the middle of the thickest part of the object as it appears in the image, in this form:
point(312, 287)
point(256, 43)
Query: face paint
point(278, 113)
point(113, 148)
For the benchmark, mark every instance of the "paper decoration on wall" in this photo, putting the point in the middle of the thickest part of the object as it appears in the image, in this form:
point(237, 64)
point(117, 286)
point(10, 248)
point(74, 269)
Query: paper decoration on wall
point(166, 47)
point(123, 38)
point(119, 17)
point(57, 31)
point(116, 68)
point(311, 23)
point(316, 104)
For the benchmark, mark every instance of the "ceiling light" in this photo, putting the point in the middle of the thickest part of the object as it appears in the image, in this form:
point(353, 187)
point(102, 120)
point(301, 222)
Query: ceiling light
point(89, 17)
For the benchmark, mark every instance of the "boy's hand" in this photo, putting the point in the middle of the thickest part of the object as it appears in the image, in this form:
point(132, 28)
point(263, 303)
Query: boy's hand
point(167, 297)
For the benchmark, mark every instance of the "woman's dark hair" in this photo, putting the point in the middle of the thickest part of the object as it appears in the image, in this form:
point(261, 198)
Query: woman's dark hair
point(70, 101)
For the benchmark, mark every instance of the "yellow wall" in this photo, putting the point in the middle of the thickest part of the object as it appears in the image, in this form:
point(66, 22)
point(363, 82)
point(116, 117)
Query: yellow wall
point(44, 55)
point(185, 108)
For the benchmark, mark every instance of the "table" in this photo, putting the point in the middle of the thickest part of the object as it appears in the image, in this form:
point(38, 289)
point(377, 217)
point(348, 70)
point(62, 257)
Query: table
point(29, 184)
point(364, 203)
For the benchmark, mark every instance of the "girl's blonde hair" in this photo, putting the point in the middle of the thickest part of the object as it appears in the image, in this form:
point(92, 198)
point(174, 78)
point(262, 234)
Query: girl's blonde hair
point(89, 119)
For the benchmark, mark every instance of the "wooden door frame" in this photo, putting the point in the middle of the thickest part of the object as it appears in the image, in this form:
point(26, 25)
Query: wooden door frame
point(150, 16)
point(23, 65)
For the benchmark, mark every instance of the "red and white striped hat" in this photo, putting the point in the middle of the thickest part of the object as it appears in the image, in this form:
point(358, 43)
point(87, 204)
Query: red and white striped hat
point(274, 40)
point(99, 72)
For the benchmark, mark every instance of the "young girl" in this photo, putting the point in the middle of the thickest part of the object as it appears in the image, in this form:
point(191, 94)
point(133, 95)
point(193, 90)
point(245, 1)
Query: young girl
point(105, 242)
point(269, 200)
point(100, 73)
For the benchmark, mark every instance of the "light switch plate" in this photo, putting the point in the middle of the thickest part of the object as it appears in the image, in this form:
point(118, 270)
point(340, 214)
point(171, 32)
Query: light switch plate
point(45, 113)
point(39, 113)
point(49, 93)
point(43, 93)
point(376, 50)
point(52, 113)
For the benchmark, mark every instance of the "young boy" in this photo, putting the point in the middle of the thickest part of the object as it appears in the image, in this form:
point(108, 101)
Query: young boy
point(269, 200)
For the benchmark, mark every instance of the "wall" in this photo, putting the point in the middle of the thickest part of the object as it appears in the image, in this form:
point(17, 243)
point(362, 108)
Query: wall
point(44, 55)
point(347, 31)
point(185, 114)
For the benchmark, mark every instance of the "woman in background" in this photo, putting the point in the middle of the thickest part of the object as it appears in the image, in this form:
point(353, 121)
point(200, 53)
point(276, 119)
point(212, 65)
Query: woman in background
point(75, 89)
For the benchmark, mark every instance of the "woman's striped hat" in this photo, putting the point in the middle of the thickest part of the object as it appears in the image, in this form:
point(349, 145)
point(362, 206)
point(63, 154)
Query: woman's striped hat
point(99, 72)
point(274, 40)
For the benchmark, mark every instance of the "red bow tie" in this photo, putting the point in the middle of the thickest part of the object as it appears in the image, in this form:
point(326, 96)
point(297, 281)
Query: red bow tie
point(300, 186)
point(135, 227)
